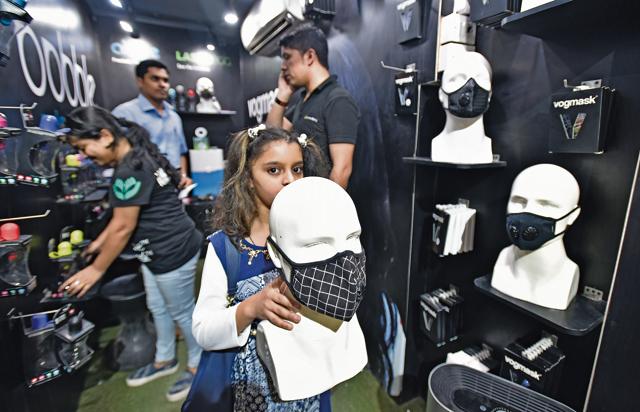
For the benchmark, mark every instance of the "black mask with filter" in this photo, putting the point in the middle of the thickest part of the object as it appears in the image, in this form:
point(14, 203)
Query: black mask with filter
point(470, 100)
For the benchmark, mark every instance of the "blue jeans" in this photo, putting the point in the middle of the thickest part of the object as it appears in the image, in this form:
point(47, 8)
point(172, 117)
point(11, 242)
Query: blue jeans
point(170, 297)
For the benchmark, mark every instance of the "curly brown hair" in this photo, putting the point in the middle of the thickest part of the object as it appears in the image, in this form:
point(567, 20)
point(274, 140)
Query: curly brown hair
point(235, 206)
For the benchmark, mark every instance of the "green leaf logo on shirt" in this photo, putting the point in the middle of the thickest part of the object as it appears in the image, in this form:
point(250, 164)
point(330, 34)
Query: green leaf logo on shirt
point(126, 189)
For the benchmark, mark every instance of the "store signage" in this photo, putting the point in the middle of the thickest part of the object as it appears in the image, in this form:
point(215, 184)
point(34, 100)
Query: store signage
point(73, 82)
point(580, 120)
point(565, 104)
point(133, 51)
point(260, 105)
point(201, 61)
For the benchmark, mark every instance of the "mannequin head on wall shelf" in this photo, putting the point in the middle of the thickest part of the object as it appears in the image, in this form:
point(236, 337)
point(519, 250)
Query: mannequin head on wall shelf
point(208, 102)
point(465, 93)
point(535, 268)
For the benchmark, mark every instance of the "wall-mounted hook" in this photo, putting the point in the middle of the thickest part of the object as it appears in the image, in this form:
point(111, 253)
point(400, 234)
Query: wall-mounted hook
point(410, 67)
point(45, 214)
point(21, 107)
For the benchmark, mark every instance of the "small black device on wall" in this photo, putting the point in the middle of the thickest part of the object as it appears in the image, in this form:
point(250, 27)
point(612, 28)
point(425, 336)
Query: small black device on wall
point(406, 92)
point(580, 119)
point(409, 19)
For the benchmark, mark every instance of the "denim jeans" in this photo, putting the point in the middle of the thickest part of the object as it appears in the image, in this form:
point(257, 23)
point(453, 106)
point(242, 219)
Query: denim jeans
point(170, 298)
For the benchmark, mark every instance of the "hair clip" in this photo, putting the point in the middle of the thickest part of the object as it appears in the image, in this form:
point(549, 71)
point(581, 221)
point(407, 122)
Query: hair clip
point(302, 139)
point(253, 131)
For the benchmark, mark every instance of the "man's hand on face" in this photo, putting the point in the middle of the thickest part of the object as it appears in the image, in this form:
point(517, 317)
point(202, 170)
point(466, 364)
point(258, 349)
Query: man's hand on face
point(284, 88)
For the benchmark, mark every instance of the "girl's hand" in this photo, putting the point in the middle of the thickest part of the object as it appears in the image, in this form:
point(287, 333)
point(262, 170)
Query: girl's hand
point(272, 305)
point(81, 282)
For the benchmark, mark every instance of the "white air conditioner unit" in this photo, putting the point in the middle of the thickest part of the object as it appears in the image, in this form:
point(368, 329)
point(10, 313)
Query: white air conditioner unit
point(267, 22)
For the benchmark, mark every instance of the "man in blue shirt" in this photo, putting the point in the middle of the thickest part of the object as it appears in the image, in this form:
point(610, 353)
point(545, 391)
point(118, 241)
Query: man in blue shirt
point(151, 111)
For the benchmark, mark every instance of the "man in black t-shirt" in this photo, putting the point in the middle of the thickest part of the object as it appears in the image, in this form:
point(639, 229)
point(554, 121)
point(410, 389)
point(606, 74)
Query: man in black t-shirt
point(311, 101)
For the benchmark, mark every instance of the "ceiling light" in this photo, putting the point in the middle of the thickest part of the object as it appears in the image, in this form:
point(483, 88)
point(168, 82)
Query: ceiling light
point(211, 47)
point(55, 16)
point(231, 17)
point(116, 3)
point(126, 26)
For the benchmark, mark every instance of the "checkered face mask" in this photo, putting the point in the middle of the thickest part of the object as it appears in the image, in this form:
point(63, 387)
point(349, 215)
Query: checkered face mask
point(333, 287)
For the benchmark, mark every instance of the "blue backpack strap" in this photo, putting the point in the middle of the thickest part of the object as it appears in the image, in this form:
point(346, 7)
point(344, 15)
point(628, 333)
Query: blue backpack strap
point(211, 387)
point(229, 256)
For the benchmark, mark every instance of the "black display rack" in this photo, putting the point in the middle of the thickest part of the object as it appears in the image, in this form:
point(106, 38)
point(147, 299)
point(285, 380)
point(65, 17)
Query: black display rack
point(426, 161)
point(574, 16)
point(581, 317)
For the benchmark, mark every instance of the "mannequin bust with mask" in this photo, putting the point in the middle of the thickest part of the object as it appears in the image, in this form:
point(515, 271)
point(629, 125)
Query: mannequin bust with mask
point(542, 205)
point(314, 230)
point(465, 93)
point(208, 102)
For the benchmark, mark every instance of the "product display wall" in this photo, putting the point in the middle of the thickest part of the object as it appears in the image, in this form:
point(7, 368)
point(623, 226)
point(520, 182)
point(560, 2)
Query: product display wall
point(526, 72)
point(42, 69)
point(60, 61)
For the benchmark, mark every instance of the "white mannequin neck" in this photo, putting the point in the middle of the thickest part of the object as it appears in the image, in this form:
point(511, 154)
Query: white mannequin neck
point(462, 141)
point(545, 277)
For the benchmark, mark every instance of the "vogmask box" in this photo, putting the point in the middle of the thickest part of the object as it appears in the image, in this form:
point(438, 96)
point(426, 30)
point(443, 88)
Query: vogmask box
point(580, 120)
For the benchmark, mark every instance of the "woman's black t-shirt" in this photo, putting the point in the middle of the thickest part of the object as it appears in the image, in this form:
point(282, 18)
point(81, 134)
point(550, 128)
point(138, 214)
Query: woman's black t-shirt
point(165, 237)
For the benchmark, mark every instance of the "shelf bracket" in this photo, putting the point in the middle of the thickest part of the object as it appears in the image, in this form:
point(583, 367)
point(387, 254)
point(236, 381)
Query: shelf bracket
point(592, 293)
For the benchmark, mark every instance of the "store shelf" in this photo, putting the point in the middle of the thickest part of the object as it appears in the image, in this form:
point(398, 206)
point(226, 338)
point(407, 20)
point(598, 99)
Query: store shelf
point(571, 17)
point(220, 113)
point(581, 317)
point(426, 161)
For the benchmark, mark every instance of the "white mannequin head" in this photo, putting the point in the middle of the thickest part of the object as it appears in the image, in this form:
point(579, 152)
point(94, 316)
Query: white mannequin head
point(464, 67)
point(546, 190)
point(204, 84)
point(537, 269)
point(312, 219)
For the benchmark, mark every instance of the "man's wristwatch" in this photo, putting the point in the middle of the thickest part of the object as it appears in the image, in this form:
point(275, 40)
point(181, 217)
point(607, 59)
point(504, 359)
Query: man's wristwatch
point(280, 102)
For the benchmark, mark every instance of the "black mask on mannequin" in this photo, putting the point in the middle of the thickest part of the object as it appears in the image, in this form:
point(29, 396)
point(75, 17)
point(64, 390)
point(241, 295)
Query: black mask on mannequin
point(528, 231)
point(468, 101)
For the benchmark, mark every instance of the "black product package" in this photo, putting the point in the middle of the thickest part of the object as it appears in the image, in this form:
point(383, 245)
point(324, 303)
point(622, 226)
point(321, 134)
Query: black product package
point(491, 13)
point(535, 363)
point(580, 120)
point(409, 14)
point(441, 313)
point(406, 93)
point(439, 231)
